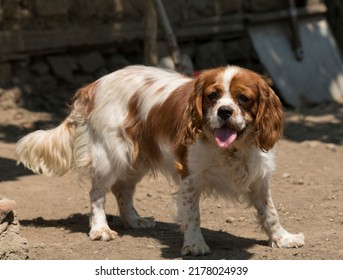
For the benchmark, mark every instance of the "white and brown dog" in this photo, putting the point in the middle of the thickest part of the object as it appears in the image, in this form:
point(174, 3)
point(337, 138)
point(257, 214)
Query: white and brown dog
point(213, 134)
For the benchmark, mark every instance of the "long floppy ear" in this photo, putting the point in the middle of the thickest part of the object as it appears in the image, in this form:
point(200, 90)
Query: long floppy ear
point(269, 119)
point(194, 112)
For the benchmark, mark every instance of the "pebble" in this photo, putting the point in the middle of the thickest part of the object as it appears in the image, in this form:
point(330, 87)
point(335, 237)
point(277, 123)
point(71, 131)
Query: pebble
point(331, 147)
point(311, 144)
point(299, 181)
point(6, 206)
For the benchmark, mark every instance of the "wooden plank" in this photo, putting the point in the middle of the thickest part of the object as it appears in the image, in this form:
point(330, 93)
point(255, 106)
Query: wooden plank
point(150, 34)
point(53, 40)
point(37, 40)
point(285, 14)
point(318, 77)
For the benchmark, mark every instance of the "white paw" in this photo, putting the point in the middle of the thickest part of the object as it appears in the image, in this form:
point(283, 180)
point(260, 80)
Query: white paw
point(103, 234)
point(288, 240)
point(141, 223)
point(195, 249)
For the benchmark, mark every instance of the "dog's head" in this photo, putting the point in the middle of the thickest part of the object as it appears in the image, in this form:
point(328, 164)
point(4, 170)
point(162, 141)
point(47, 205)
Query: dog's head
point(232, 103)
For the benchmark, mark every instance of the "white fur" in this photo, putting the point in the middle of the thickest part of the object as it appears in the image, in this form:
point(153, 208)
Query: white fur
point(97, 144)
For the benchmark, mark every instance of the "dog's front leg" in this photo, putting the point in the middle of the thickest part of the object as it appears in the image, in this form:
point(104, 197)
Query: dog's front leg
point(261, 198)
point(189, 219)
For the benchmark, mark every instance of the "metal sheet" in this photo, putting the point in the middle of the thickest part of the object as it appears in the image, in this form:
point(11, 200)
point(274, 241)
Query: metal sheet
point(318, 77)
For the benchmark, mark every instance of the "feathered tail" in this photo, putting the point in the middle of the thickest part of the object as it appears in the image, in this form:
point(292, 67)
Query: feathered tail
point(49, 152)
point(56, 151)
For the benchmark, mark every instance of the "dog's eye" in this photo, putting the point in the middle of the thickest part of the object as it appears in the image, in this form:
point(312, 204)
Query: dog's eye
point(213, 96)
point(243, 99)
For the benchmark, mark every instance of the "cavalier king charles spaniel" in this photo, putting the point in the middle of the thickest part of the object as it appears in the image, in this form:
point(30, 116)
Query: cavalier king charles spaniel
point(213, 134)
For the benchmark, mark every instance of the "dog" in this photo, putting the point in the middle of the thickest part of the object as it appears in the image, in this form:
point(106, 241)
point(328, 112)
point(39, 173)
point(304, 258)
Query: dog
point(213, 134)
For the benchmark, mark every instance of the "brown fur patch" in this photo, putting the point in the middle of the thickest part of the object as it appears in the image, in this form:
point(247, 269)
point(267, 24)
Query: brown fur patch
point(85, 96)
point(170, 122)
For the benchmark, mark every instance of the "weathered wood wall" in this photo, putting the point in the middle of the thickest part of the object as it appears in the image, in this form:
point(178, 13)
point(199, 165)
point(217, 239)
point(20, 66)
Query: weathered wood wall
point(49, 48)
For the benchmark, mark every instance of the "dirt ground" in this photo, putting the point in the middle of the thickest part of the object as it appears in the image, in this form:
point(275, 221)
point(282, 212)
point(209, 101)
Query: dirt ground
point(307, 189)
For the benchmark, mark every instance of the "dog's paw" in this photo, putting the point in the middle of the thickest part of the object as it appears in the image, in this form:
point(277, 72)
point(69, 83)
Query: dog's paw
point(288, 240)
point(141, 222)
point(103, 234)
point(196, 249)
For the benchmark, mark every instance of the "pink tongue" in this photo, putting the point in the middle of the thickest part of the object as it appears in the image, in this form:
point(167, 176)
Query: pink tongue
point(225, 136)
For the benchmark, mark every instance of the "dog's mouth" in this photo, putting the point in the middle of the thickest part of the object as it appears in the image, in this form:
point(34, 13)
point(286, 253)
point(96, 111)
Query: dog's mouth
point(225, 136)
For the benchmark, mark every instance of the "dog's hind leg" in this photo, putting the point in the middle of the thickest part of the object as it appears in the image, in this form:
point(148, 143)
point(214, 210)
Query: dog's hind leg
point(103, 177)
point(124, 191)
point(99, 226)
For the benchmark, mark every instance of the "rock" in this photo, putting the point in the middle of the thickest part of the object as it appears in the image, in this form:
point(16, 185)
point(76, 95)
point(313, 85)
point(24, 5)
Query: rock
point(331, 147)
point(117, 61)
point(240, 49)
point(90, 62)
point(210, 55)
point(5, 74)
point(40, 67)
point(10, 98)
point(100, 73)
point(63, 66)
point(45, 83)
point(12, 245)
point(230, 220)
point(6, 206)
point(311, 144)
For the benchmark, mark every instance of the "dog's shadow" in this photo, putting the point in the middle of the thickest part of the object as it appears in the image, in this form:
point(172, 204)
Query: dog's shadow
point(223, 245)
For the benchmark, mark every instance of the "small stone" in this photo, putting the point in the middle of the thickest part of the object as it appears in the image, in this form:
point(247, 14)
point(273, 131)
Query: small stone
point(117, 61)
point(90, 62)
point(230, 220)
point(331, 147)
point(6, 206)
point(286, 175)
point(312, 144)
point(210, 55)
point(63, 66)
point(300, 181)
point(40, 67)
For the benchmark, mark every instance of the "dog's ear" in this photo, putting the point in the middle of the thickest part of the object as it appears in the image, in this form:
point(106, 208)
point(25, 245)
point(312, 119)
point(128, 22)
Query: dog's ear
point(194, 111)
point(269, 119)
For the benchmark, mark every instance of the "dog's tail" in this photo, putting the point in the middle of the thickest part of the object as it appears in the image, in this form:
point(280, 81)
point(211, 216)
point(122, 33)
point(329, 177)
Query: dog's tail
point(51, 152)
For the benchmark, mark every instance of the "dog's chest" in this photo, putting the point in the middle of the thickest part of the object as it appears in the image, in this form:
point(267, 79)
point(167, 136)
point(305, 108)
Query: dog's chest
point(228, 171)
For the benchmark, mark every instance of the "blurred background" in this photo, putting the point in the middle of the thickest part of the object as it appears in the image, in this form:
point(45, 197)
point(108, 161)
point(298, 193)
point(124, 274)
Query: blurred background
point(49, 48)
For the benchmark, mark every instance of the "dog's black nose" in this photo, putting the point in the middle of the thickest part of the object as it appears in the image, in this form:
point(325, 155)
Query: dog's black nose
point(225, 112)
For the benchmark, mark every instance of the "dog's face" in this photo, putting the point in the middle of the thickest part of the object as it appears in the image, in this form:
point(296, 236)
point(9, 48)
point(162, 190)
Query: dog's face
point(235, 102)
